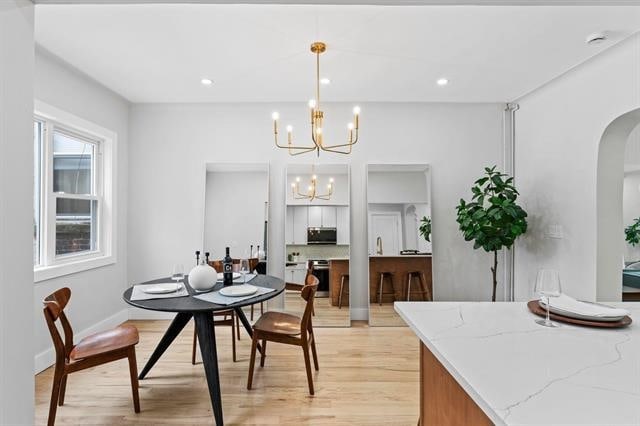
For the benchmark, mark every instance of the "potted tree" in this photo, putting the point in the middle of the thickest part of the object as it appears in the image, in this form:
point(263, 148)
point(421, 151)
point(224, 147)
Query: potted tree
point(425, 228)
point(632, 232)
point(492, 219)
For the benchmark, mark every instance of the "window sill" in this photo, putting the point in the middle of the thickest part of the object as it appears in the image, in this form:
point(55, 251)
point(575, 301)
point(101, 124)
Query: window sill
point(44, 273)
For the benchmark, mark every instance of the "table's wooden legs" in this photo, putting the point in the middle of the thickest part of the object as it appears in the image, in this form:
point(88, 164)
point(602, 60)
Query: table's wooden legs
point(178, 323)
point(207, 340)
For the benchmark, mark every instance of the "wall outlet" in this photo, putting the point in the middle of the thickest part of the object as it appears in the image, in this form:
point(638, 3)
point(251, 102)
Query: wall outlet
point(555, 231)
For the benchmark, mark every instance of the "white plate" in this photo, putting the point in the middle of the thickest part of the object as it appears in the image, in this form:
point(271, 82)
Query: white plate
point(161, 288)
point(570, 314)
point(238, 290)
point(236, 275)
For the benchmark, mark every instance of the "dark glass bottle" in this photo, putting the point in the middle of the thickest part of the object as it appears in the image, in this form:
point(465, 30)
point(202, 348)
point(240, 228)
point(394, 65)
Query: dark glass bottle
point(227, 268)
point(206, 256)
point(197, 257)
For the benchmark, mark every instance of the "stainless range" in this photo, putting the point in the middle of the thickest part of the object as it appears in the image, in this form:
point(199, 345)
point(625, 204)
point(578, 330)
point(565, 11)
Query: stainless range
point(321, 270)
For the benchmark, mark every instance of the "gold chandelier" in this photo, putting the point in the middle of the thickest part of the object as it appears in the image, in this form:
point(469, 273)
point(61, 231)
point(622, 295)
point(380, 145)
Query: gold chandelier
point(317, 116)
point(312, 189)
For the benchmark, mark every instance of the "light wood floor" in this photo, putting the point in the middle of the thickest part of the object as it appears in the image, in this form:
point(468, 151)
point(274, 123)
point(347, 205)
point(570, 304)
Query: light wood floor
point(384, 316)
point(326, 315)
point(368, 376)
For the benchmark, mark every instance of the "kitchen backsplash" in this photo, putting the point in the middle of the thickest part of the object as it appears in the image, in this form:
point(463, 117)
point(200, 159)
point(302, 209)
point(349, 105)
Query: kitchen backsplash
point(318, 252)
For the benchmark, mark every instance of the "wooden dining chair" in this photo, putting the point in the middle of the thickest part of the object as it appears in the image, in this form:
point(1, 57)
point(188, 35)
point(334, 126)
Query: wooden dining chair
point(308, 280)
point(289, 329)
point(97, 349)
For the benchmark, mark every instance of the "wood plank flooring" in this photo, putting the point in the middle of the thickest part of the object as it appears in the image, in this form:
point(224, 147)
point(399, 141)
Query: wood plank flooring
point(368, 376)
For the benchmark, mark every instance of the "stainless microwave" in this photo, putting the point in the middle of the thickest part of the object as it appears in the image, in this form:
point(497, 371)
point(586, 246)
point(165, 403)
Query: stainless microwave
point(322, 236)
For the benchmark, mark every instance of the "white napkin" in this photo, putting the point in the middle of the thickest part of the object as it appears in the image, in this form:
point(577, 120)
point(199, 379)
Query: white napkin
point(219, 299)
point(568, 303)
point(237, 280)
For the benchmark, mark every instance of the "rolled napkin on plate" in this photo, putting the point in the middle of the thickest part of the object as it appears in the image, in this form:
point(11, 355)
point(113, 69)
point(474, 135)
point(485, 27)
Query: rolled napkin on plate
point(568, 306)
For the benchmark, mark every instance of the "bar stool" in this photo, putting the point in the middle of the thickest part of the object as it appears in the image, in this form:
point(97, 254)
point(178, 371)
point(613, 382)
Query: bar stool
point(424, 290)
point(342, 288)
point(384, 275)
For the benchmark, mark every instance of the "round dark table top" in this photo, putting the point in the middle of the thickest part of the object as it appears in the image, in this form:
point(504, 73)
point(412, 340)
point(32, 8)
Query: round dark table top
point(191, 304)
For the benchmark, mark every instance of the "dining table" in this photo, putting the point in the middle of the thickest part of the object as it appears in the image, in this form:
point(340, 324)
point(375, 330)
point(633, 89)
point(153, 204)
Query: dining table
point(201, 311)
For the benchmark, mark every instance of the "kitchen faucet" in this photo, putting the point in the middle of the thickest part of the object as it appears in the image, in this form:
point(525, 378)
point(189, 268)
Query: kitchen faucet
point(379, 246)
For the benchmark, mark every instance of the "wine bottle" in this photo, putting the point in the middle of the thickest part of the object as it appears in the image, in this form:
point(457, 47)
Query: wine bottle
point(227, 268)
point(197, 257)
point(206, 255)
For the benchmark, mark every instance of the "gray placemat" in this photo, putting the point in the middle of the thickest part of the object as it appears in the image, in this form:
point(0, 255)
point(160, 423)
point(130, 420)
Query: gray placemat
point(138, 294)
point(219, 299)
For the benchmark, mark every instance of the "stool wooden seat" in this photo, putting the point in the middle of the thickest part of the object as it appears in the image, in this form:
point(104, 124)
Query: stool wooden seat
point(383, 275)
point(343, 277)
point(424, 290)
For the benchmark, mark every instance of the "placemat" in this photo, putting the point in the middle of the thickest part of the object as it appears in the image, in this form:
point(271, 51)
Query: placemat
point(217, 298)
point(138, 294)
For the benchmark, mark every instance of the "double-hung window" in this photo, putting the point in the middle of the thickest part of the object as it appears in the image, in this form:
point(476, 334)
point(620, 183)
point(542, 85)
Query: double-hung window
point(72, 198)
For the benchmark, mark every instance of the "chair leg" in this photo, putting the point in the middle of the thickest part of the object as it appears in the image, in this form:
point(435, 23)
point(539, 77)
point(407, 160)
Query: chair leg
point(238, 326)
point(195, 342)
point(409, 288)
point(261, 308)
point(252, 360)
point(55, 395)
point(63, 388)
point(233, 337)
point(251, 312)
point(133, 370)
point(314, 352)
point(307, 364)
point(264, 352)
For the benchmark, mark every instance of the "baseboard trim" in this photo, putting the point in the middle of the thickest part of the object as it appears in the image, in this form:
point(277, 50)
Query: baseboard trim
point(143, 314)
point(359, 314)
point(46, 358)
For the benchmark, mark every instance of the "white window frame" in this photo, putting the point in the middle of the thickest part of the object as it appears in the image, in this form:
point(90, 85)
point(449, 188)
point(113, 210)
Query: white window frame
point(104, 181)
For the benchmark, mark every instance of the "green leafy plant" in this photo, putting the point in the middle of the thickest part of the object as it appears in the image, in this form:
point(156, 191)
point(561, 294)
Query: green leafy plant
point(632, 232)
point(425, 228)
point(492, 219)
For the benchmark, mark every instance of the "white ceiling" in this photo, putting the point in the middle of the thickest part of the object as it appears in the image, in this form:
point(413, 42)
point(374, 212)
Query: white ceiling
point(159, 52)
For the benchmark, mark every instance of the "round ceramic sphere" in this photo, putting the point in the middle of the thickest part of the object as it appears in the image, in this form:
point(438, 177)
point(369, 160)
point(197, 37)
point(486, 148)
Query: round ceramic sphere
point(202, 277)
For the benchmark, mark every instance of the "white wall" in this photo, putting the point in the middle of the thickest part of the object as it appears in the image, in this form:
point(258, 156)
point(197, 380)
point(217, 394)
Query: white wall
point(16, 212)
point(398, 187)
point(234, 213)
point(96, 300)
point(457, 140)
point(558, 131)
point(631, 211)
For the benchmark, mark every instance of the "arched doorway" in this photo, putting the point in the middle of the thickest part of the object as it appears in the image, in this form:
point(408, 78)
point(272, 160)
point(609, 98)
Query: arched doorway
point(610, 179)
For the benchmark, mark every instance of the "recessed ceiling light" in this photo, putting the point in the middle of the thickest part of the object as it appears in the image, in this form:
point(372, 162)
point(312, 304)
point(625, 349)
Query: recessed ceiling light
point(325, 81)
point(206, 81)
point(596, 38)
point(442, 82)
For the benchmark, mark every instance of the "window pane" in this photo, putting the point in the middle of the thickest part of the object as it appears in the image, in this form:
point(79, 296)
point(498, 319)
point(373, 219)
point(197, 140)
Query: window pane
point(72, 164)
point(76, 225)
point(37, 173)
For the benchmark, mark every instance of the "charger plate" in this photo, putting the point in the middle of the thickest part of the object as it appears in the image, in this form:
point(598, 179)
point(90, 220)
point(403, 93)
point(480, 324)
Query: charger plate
point(535, 308)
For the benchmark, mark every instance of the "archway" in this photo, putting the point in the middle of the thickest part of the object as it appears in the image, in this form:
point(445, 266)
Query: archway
point(610, 177)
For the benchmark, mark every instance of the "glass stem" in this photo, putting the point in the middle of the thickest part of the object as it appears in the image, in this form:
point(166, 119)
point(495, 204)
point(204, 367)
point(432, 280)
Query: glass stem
point(548, 320)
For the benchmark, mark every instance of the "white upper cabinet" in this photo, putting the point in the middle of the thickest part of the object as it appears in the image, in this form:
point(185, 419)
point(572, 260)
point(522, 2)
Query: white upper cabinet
point(315, 217)
point(342, 224)
point(299, 225)
point(329, 219)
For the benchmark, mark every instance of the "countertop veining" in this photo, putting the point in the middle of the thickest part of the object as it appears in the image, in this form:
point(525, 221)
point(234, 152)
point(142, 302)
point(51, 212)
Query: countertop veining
point(519, 372)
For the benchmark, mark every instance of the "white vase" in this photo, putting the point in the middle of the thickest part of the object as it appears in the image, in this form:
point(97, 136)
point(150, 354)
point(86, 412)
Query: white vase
point(202, 277)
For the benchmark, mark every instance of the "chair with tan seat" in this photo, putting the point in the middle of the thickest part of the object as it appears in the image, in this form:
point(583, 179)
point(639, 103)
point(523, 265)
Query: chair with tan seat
point(289, 329)
point(97, 349)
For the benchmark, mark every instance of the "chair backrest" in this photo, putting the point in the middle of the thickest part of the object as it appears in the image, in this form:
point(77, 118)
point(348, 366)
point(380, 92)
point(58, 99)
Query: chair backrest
point(217, 264)
point(308, 293)
point(54, 305)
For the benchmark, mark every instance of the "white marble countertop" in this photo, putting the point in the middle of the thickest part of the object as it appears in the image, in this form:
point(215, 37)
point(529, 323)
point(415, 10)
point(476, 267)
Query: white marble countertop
point(521, 373)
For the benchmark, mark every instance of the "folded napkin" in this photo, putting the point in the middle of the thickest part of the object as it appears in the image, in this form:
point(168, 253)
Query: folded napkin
point(568, 303)
point(239, 279)
point(138, 294)
point(219, 299)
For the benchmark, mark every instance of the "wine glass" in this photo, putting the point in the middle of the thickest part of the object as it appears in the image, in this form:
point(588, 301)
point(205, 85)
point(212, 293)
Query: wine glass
point(244, 269)
point(178, 273)
point(548, 285)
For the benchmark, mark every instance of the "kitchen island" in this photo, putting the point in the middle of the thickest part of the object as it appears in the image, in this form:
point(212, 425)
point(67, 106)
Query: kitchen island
point(399, 266)
point(490, 363)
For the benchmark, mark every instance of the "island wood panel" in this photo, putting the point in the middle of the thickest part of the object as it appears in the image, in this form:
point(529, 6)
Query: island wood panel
point(400, 266)
point(337, 267)
point(443, 402)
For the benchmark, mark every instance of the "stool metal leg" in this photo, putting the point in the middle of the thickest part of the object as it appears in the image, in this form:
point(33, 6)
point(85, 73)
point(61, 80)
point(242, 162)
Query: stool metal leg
point(380, 289)
point(340, 296)
point(409, 287)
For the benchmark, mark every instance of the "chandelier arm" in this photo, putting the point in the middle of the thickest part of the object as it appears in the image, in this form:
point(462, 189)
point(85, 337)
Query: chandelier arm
point(290, 147)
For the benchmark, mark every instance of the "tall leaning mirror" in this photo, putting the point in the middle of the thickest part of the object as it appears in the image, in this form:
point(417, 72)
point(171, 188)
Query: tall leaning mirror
point(235, 216)
point(317, 239)
point(399, 238)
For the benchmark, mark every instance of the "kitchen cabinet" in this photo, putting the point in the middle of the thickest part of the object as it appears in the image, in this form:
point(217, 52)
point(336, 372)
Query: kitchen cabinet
point(295, 274)
point(322, 217)
point(342, 225)
point(296, 225)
